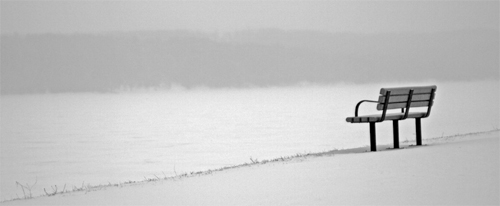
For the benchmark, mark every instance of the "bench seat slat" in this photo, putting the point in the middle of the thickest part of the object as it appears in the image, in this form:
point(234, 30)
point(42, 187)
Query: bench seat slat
point(389, 116)
point(406, 90)
point(403, 105)
point(404, 98)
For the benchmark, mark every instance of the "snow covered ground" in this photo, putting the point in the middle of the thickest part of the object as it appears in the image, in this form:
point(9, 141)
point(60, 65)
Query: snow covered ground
point(453, 170)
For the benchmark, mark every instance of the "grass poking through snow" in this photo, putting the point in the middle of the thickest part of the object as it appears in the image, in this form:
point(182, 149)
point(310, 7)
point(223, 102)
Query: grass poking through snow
point(27, 188)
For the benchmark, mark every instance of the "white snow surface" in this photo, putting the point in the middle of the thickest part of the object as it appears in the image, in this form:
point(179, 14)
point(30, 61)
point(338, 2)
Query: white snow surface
point(462, 170)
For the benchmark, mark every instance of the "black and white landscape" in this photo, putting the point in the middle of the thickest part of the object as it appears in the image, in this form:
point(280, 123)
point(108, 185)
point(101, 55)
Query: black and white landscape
point(245, 102)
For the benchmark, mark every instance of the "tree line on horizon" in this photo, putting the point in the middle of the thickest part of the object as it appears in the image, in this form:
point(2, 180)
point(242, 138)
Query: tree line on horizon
point(39, 63)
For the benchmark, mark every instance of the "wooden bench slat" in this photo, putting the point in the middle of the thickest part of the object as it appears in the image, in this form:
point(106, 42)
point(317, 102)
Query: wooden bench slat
point(403, 105)
point(404, 98)
point(406, 90)
point(390, 116)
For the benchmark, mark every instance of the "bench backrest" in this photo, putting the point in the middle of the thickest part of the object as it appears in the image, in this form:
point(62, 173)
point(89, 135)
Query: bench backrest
point(421, 96)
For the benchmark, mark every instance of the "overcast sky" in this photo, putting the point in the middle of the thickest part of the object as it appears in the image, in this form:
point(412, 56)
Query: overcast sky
point(225, 16)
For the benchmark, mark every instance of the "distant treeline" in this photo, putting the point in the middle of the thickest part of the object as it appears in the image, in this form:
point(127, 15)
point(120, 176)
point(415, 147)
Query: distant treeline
point(105, 62)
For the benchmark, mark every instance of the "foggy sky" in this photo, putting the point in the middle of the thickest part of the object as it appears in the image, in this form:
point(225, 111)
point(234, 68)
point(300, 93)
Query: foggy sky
point(95, 62)
point(80, 46)
point(227, 16)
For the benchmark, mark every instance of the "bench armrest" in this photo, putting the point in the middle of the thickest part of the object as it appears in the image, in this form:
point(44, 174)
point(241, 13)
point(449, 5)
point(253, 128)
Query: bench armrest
point(359, 103)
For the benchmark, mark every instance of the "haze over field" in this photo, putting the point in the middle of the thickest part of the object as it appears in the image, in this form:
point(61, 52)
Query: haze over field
point(106, 62)
point(74, 46)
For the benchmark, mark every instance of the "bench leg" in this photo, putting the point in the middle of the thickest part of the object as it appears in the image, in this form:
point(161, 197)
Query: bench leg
point(395, 131)
point(373, 143)
point(419, 131)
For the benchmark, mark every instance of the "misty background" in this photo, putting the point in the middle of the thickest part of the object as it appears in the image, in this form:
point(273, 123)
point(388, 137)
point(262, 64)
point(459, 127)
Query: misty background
point(107, 62)
point(87, 46)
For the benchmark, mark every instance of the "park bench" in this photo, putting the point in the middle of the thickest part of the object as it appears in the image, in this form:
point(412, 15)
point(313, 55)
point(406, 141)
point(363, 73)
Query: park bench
point(402, 98)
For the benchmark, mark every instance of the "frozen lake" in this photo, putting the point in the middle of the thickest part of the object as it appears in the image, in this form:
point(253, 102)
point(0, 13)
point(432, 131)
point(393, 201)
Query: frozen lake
point(58, 139)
